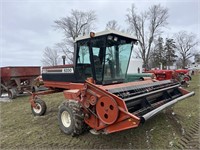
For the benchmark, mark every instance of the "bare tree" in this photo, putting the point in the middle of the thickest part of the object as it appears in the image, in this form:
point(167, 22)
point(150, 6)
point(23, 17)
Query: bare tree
point(113, 25)
point(50, 57)
point(197, 57)
point(147, 26)
point(179, 63)
point(185, 44)
point(66, 47)
point(78, 23)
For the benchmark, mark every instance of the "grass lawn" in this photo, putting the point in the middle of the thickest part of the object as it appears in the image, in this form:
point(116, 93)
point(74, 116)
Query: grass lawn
point(188, 111)
point(20, 129)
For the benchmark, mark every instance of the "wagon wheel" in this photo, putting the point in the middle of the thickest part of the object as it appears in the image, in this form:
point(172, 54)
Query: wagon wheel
point(35, 89)
point(12, 93)
point(71, 118)
point(40, 108)
point(1, 91)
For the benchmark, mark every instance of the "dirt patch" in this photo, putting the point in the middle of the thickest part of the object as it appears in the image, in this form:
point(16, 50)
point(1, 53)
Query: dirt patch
point(175, 121)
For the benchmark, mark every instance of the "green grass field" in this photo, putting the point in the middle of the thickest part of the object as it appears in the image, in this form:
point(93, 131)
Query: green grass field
point(20, 129)
point(188, 111)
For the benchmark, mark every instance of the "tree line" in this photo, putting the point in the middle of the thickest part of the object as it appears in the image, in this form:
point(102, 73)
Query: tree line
point(146, 26)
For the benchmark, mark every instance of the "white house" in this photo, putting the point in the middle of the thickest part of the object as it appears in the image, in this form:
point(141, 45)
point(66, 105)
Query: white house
point(135, 65)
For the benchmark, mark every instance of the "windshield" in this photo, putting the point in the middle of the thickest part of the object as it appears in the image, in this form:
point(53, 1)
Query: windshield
point(116, 61)
point(105, 58)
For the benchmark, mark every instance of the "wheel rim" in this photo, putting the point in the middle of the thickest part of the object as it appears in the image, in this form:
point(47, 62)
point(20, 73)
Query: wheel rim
point(186, 79)
point(38, 108)
point(66, 119)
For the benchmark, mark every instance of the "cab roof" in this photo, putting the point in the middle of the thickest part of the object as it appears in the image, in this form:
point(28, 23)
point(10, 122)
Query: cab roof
point(106, 32)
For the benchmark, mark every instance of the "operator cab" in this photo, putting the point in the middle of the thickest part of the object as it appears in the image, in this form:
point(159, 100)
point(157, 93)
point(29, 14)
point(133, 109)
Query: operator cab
point(104, 56)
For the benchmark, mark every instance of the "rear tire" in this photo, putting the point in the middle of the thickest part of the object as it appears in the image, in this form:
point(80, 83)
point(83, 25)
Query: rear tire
point(71, 118)
point(40, 109)
point(189, 77)
point(12, 93)
point(184, 83)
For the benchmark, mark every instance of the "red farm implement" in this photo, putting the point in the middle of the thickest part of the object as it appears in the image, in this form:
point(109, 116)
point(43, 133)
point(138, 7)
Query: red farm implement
point(184, 73)
point(96, 95)
point(16, 80)
point(179, 75)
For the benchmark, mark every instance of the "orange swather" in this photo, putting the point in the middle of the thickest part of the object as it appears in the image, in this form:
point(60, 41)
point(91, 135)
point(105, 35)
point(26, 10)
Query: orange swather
point(82, 93)
point(85, 92)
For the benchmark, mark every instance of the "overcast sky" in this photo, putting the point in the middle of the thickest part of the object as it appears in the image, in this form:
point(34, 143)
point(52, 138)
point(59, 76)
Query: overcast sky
point(27, 25)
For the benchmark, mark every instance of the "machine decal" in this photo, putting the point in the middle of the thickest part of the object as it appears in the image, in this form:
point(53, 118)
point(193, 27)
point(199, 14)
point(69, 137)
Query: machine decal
point(58, 70)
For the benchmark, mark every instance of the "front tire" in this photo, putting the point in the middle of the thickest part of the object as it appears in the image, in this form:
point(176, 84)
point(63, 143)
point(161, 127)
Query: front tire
point(71, 118)
point(40, 108)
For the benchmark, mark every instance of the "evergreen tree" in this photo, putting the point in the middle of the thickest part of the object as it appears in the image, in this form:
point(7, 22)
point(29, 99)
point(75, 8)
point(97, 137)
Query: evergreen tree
point(158, 55)
point(164, 52)
point(170, 55)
